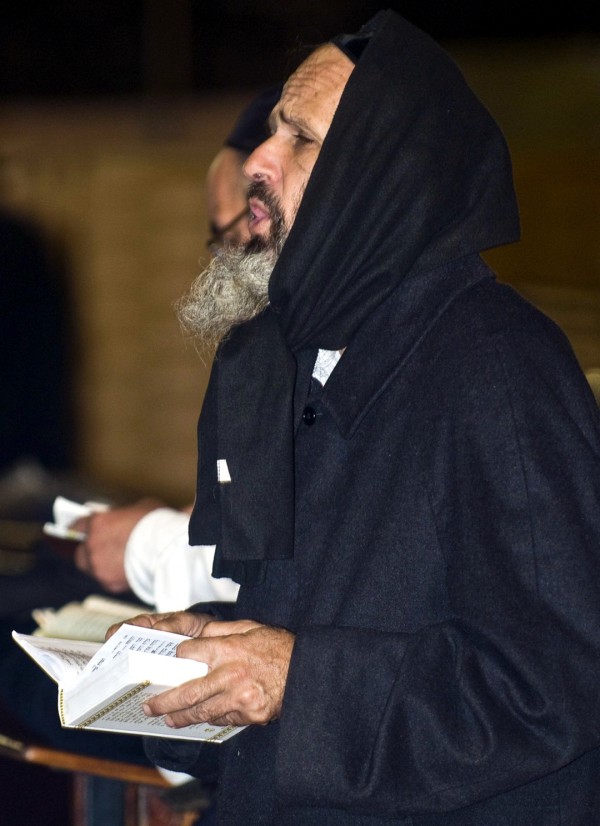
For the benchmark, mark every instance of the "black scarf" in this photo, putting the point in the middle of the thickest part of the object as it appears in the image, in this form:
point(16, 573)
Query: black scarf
point(413, 173)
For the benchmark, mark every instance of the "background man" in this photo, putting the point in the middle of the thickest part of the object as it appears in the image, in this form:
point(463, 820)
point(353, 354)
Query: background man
point(399, 462)
point(155, 560)
point(144, 547)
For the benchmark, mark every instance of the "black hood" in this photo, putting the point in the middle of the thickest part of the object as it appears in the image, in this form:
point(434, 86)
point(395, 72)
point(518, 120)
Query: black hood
point(413, 174)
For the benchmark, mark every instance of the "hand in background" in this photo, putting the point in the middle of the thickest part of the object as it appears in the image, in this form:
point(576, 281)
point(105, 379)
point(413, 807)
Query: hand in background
point(102, 554)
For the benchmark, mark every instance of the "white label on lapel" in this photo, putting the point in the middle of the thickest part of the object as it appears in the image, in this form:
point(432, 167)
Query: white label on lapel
point(223, 471)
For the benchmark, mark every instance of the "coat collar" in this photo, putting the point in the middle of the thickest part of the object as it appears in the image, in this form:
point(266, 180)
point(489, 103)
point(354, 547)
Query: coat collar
point(382, 346)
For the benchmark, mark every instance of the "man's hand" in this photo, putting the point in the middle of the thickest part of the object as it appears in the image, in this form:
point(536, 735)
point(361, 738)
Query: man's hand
point(248, 666)
point(102, 554)
point(178, 622)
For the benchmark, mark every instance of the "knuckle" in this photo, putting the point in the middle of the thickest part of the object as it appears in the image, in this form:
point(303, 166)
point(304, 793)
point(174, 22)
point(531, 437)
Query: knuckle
point(198, 713)
point(185, 648)
point(248, 697)
point(190, 694)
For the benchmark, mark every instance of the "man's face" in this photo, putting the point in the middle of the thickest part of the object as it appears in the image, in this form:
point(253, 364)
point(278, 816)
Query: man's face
point(226, 200)
point(280, 167)
point(234, 287)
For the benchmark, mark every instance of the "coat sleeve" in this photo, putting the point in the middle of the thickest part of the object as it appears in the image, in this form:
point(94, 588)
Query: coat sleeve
point(505, 689)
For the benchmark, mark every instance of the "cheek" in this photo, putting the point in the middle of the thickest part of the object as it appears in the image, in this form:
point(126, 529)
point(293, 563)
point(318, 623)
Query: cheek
point(295, 181)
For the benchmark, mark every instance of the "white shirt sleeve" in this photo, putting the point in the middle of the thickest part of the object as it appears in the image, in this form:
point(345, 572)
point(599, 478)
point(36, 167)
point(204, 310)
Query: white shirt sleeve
point(165, 571)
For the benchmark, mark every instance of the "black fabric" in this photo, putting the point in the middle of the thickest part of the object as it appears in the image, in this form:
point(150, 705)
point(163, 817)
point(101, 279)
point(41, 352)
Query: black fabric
point(36, 413)
point(415, 162)
point(443, 591)
point(442, 585)
point(353, 45)
point(261, 518)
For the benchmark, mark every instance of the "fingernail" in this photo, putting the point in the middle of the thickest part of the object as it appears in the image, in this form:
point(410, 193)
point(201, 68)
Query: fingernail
point(146, 709)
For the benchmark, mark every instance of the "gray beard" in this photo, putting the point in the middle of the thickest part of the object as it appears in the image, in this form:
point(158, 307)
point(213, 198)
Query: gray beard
point(233, 288)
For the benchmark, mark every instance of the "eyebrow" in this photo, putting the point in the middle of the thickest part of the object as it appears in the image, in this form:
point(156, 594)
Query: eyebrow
point(297, 121)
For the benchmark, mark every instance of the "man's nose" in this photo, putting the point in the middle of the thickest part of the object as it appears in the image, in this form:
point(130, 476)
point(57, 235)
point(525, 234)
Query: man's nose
point(262, 164)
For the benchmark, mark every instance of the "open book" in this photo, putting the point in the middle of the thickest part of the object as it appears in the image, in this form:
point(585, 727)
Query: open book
point(87, 620)
point(102, 686)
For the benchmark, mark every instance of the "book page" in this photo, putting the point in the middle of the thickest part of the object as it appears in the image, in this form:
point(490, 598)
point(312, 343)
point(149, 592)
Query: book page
point(106, 687)
point(65, 513)
point(62, 660)
point(112, 607)
point(62, 532)
point(67, 660)
point(128, 717)
point(135, 638)
point(87, 620)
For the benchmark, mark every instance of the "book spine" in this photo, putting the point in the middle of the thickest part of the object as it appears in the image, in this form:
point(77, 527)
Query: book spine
point(106, 709)
point(221, 734)
point(61, 706)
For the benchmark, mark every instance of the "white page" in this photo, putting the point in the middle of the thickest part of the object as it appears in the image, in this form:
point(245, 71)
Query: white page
point(112, 607)
point(87, 620)
point(128, 717)
point(135, 638)
point(66, 512)
point(145, 666)
point(62, 660)
point(63, 532)
point(65, 660)
point(94, 691)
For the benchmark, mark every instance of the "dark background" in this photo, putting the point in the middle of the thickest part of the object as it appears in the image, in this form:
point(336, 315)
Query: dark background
point(101, 48)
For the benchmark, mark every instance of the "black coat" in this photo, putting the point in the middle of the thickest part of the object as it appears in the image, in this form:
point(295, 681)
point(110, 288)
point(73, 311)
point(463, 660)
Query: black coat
point(448, 602)
point(444, 586)
point(433, 537)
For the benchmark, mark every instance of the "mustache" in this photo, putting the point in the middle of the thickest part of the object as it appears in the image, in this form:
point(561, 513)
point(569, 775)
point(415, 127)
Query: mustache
point(278, 231)
point(260, 191)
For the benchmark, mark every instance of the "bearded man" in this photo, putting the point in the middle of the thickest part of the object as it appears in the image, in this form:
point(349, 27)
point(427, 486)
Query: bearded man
point(234, 288)
point(399, 462)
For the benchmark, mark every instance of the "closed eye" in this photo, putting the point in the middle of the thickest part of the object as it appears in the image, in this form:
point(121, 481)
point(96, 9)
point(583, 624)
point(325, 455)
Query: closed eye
point(303, 139)
point(297, 127)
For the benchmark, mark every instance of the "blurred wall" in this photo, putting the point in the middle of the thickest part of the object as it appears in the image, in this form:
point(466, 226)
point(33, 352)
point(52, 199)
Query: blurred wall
point(546, 96)
point(121, 188)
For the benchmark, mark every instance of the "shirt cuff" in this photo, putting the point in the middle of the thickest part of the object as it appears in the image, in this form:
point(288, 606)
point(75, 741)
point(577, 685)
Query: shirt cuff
point(145, 545)
point(163, 569)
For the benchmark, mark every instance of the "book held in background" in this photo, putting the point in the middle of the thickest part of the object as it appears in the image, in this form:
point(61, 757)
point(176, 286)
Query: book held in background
point(87, 620)
point(67, 512)
point(102, 686)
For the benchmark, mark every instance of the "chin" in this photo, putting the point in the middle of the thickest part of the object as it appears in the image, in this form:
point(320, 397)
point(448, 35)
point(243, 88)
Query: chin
point(260, 231)
point(260, 243)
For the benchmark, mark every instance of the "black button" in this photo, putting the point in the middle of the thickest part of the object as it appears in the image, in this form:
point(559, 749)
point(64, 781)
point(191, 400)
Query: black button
point(309, 416)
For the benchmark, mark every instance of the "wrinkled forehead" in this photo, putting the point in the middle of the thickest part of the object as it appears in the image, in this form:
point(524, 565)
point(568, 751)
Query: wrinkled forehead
point(314, 90)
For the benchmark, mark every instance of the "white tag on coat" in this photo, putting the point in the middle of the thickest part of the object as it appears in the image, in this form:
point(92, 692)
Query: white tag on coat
point(223, 471)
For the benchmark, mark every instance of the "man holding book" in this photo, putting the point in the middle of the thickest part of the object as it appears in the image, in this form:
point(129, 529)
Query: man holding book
point(399, 463)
